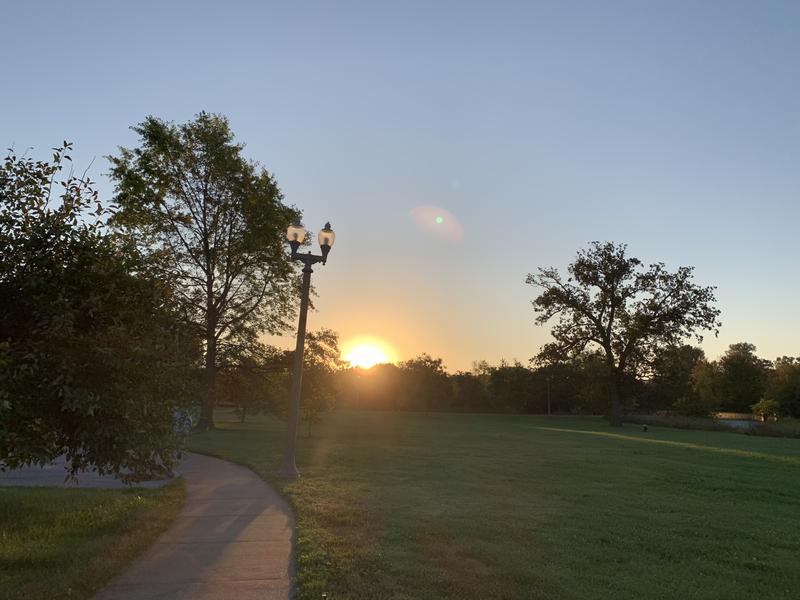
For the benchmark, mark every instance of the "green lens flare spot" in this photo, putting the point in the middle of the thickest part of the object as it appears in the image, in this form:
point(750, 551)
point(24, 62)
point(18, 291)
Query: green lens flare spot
point(439, 220)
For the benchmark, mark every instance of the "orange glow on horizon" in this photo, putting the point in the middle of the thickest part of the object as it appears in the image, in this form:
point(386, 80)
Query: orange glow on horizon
point(367, 352)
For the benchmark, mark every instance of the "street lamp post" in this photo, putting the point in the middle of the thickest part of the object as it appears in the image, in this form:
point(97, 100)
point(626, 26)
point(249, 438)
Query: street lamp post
point(296, 234)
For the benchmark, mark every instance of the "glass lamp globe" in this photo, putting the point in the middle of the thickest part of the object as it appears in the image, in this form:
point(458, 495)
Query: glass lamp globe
point(296, 233)
point(326, 236)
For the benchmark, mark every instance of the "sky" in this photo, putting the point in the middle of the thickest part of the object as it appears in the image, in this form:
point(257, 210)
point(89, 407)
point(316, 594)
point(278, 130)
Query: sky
point(533, 127)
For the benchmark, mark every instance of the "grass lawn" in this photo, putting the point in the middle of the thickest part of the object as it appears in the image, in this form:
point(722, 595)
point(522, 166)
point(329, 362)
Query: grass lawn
point(403, 505)
point(67, 543)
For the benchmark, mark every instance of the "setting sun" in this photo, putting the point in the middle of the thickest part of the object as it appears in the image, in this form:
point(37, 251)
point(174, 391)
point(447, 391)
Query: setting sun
point(367, 353)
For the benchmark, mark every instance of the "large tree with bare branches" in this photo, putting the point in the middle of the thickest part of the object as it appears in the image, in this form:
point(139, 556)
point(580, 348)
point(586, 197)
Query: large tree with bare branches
point(611, 301)
point(213, 222)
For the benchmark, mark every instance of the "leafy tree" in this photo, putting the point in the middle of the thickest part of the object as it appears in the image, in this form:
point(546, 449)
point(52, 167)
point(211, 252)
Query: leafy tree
point(671, 377)
point(579, 385)
point(425, 383)
point(743, 377)
point(511, 388)
point(594, 383)
point(469, 389)
point(322, 360)
point(705, 396)
point(213, 223)
point(250, 378)
point(767, 409)
point(783, 386)
point(94, 359)
point(377, 388)
point(610, 301)
point(322, 364)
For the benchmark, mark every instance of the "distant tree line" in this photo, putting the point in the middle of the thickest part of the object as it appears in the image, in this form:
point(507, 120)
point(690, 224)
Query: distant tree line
point(422, 384)
point(681, 381)
point(618, 346)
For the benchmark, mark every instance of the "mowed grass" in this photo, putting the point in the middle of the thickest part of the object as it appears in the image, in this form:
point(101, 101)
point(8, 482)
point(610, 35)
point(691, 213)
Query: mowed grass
point(67, 543)
point(403, 505)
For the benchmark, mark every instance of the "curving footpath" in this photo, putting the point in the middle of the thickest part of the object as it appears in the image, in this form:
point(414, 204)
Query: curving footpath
point(232, 539)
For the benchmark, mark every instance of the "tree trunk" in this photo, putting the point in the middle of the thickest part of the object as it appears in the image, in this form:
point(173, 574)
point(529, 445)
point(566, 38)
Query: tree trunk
point(244, 414)
point(209, 384)
point(616, 402)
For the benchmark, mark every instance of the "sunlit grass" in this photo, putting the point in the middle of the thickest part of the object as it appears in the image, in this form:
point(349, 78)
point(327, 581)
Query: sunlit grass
point(67, 543)
point(481, 506)
point(649, 439)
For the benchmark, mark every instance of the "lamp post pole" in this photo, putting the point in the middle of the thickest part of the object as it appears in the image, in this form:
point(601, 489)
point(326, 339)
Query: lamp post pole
point(296, 235)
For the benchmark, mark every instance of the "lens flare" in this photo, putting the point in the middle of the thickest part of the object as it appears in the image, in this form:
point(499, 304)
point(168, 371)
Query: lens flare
point(437, 222)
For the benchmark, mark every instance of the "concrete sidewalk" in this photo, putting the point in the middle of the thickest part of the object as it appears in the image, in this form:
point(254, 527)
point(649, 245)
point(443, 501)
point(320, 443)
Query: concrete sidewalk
point(231, 540)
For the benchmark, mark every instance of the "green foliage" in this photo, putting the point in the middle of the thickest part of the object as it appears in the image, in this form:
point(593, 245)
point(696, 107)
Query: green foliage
point(693, 405)
point(784, 428)
point(323, 361)
point(742, 377)
point(588, 382)
point(322, 366)
point(679, 380)
point(577, 386)
point(612, 303)
point(425, 385)
point(706, 393)
point(377, 388)
point(469, 389)
point(213, 224)
point(509, 387)
point(767, 409)
point(671, 378)
point(93, 358)
point(683, 421)
point(251, 377)
point(783, 386)
point(251, 388)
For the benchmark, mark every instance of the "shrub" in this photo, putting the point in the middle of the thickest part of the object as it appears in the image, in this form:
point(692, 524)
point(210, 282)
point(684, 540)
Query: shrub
point(766, 409)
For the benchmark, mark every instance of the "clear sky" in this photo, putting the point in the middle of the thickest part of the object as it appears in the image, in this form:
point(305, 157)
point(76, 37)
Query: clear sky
point(673, 126)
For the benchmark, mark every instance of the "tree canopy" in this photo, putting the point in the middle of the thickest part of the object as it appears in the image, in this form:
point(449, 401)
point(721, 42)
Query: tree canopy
point(212, 223)
point(612, 302)
point(94, 359)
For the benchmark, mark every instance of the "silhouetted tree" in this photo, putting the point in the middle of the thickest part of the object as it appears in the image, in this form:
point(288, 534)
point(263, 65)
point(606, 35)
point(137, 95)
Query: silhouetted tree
point(743, 377)
point(214, 223)
point(425, 383)
point(511, 388)
point(705, 398)
point(671, 377)
point(610, 301)
point(251, 377)
point(783, 386)
point(469, 391)
point(377, 388)
point(323, 361)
